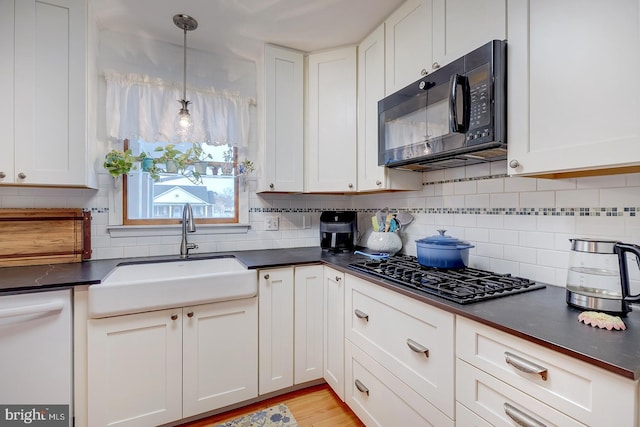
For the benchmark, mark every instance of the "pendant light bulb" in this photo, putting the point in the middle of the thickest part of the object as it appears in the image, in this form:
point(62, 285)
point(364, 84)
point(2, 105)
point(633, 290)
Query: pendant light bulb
point(184, 121)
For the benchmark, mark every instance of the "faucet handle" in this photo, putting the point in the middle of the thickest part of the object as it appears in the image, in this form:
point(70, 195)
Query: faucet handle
point(192, 246)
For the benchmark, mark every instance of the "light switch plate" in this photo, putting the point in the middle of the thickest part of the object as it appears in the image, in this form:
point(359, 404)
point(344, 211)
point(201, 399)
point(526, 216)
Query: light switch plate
point(271, 223)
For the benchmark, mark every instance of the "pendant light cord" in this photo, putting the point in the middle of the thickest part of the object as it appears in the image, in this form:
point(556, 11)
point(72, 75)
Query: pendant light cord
point(184, 74)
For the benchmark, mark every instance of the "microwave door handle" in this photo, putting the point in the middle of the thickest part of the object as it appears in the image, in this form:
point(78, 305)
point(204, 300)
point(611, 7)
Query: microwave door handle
point(454, 125)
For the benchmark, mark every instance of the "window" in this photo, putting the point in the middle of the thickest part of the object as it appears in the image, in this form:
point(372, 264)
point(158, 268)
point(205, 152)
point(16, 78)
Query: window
point(205, 177)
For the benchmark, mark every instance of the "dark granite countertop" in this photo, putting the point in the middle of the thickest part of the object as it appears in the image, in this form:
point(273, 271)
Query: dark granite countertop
point(540, 316)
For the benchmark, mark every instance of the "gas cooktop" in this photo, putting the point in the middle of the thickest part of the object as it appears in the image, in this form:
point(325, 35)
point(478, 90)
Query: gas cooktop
point(463, 286)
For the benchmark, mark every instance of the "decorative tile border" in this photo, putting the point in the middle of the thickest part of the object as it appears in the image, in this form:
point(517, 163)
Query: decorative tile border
point(478, 178)
point(609, 212)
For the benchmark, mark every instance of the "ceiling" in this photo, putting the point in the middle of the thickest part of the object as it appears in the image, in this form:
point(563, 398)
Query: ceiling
point(241, 27)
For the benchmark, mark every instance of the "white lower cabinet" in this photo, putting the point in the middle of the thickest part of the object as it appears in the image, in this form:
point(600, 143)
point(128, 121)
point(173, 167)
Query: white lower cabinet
point(334, 330)
point(153, 368)
point(499, 404)
point(220, 355)
point(499, 374)
point(379, 398)
point(466, 418)
point(411, 340)
point(309, 323)
point(291, 327)
point(275, 287)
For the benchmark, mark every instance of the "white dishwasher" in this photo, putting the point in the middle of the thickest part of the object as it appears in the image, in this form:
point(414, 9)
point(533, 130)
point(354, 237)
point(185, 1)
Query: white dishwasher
point(36, 357)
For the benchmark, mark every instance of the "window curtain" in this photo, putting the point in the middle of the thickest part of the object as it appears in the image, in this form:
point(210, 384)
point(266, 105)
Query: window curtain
point(144, 107)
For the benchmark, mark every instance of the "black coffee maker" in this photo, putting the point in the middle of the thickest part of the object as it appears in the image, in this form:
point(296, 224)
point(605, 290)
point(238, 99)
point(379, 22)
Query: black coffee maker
point(338, 230)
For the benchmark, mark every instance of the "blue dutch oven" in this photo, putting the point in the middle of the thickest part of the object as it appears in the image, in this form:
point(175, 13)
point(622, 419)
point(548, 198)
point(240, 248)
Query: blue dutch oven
point(442, 251)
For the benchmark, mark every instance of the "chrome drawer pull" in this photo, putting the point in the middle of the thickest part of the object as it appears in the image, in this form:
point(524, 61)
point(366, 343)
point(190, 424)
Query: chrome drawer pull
point(521, 418)
point(361, 314)
point(524, 365)
point(362, 387)
point(418, 348)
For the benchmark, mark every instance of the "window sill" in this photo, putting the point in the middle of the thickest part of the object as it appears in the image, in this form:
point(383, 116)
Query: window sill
point(116, 231)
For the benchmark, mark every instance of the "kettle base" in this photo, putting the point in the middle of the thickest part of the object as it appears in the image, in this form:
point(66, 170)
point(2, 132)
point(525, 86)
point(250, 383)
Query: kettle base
point(606, 305)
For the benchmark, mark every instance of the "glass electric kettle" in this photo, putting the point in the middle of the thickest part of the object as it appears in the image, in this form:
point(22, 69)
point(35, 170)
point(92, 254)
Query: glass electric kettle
point(598, 275)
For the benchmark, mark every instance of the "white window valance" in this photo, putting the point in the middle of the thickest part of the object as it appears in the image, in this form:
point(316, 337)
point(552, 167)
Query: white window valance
point(140, 106)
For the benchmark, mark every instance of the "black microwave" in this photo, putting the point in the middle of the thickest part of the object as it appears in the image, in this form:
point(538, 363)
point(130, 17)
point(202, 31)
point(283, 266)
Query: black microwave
point(454, 116)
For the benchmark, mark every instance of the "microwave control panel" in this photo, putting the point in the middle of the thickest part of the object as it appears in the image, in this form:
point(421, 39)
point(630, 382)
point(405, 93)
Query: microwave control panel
point(481, 100)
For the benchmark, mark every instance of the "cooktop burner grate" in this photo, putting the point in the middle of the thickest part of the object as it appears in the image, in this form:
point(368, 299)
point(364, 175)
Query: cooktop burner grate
point(463, 286)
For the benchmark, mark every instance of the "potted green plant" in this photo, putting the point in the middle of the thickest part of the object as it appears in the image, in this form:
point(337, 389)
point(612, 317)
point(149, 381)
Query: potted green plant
point(175, 161)
point(199, 158)
point(149, 165)
point(119, 162)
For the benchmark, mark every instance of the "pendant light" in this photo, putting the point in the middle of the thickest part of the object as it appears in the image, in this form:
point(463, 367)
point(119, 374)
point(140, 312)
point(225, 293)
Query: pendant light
point(184, 122)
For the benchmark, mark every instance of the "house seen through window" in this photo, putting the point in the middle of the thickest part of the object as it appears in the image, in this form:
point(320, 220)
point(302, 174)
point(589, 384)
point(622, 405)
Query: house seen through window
point(205, 176)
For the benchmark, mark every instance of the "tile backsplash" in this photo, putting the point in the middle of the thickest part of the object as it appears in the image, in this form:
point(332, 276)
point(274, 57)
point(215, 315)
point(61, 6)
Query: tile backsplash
point(517, 225)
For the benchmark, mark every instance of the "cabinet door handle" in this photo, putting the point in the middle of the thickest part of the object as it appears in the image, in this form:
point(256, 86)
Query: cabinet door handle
point(271, 186)
point(338, 278)
point(190, 314)
point(361, 387)
point(378, 183)
point(525, 366)
point(418, 348)
point(521, 418)
point(266, 277)
point(3, 175)
point(513, 164)
point(22, 175)
point(174, 317)
point(361, 314)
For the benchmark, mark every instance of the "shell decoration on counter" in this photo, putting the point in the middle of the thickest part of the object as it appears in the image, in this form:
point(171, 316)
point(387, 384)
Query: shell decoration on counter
point(601, 320)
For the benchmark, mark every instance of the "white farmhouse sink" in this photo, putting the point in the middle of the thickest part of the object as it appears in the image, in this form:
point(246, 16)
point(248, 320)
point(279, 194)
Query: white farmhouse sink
point(134, 288)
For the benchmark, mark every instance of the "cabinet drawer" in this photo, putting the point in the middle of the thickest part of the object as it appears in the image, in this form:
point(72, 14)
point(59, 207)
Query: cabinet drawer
point(411, 339)
point(578, 389)
point(490, 399)
point(464, 417)
point(379, 398)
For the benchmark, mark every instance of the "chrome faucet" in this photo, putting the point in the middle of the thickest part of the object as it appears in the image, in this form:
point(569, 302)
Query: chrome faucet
point(188, 226)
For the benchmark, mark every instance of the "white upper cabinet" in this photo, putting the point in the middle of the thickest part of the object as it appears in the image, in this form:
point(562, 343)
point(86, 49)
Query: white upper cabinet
point(408, 44)
point(330, 141)
point(284, 95)
point(424, 35)
point(372, 177)
point(573, 97)
point(460, 26)
point(44, 65)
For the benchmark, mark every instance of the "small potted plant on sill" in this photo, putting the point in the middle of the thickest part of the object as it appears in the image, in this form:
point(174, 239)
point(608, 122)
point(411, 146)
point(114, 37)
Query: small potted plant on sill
point(175, 161)
point(227, 166)
point(200, 159)
point(149, 165)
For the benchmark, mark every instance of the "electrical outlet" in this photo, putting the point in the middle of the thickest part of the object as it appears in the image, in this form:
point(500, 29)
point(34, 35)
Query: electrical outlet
point(271, 223)
point(306, 221)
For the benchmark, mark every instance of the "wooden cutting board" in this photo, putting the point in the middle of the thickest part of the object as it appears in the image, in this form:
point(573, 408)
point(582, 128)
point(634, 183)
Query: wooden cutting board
point(44, 236)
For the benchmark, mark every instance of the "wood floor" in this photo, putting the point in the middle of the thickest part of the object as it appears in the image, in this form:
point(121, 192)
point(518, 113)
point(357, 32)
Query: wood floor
point(316, 406)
